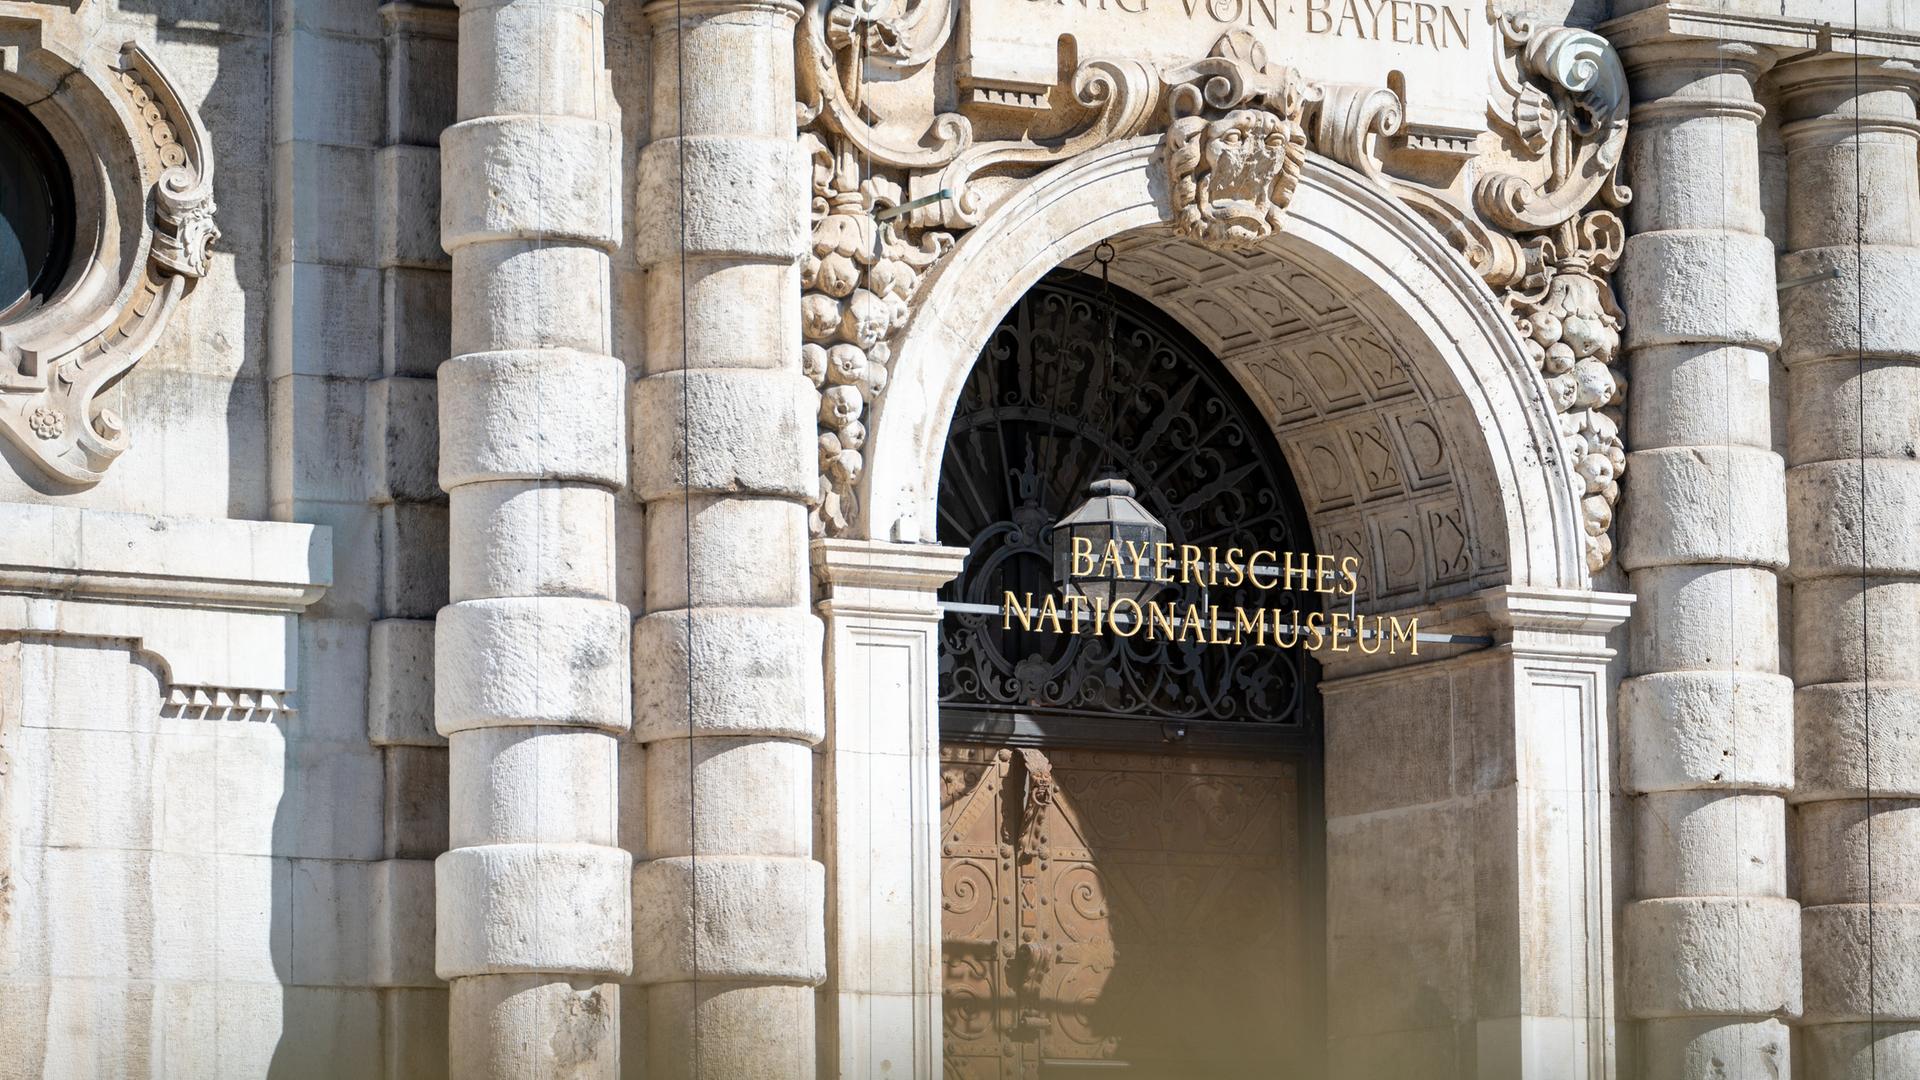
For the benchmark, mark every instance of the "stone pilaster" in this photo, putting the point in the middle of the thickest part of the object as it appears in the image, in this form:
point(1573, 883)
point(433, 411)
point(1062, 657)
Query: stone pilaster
point(728, 927)
point(1852, 351)
point(530, 655)
point(879, 770)
point(1711, 939)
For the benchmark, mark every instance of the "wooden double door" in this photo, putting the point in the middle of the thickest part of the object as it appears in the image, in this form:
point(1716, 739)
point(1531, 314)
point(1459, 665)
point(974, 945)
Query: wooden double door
point(1128, 914)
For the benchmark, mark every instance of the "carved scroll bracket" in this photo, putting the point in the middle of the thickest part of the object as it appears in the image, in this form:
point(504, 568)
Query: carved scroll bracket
point(58, 358)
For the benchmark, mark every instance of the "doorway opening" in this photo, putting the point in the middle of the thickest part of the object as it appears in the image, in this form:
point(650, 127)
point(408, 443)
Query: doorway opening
point(1131, 849)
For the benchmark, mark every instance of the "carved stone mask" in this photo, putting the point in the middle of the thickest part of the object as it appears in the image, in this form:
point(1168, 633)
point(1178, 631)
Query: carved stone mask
point(1234, 176)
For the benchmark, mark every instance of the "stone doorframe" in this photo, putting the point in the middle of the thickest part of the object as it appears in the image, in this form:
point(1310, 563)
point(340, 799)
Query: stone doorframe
point(1468, 792)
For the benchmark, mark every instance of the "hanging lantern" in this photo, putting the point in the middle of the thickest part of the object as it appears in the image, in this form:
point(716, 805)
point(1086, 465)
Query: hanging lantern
point(1111, 515)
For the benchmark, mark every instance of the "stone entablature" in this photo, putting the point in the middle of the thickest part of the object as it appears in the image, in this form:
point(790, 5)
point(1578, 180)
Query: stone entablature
point(142, 173)
point(1526, 192)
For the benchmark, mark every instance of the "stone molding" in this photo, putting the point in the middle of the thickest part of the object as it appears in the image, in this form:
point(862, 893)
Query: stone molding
point(142, 172)
point(1539, 223)
point(215, 602)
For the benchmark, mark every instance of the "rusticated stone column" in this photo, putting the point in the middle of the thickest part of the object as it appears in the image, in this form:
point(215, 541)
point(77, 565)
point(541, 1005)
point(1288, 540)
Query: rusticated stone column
point(530, 655)
point(1852, 350)
point(728, 921)
point(1711, 940)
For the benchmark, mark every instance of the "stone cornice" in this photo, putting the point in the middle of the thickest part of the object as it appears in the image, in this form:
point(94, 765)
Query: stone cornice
point(215, 602)
point(1779, 32)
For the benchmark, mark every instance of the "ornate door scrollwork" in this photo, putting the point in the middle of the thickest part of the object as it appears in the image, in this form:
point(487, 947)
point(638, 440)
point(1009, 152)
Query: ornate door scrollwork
point(1142, 911)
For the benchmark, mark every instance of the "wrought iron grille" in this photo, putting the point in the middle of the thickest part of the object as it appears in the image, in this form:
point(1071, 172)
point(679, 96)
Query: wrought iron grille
point(1034, 426)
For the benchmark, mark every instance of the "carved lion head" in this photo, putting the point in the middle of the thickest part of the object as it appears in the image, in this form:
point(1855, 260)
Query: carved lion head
point(1233, 177)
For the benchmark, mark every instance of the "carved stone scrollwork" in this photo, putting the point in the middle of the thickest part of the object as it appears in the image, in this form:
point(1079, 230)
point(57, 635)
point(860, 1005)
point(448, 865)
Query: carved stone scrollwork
point(60, 357)
point(1565, 104)
point(1536, 218)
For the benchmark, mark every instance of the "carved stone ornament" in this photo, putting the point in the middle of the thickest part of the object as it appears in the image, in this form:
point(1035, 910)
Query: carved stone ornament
point(155, 185)
point(1536, 217)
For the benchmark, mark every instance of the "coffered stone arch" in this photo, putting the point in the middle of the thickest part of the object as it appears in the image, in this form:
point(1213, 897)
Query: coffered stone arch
point(1421, 436)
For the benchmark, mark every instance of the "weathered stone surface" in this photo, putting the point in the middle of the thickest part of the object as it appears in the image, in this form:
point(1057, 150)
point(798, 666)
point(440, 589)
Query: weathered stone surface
point(742, 432)
point(730, 917)
point(750, 671)
point(532, 415)
point(530, 661)
point(1713, 956)
point(526, 908)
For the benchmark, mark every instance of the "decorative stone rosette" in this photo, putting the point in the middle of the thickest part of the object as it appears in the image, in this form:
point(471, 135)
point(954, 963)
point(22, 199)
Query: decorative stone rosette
point(56, 361)
point(1538, 224)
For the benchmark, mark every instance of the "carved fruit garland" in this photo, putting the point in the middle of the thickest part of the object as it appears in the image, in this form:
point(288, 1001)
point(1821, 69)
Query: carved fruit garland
point(1565, 240)
point(858, 277)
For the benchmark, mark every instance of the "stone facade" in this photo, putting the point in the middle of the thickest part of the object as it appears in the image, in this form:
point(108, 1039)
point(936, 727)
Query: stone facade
point(469, 567)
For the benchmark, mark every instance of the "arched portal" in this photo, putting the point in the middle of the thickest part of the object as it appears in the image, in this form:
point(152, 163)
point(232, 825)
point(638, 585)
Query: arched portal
point(1138, 818)
point(1466, 792)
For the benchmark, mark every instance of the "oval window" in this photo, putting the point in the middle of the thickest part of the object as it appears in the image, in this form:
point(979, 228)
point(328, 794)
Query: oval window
point(36, 212)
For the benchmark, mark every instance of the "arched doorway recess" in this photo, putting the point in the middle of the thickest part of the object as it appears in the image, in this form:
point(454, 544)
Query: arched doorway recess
point(1467, 822)
point(1130, 865)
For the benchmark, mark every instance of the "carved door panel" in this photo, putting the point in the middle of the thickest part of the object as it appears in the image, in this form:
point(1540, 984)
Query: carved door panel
point(1132, 913)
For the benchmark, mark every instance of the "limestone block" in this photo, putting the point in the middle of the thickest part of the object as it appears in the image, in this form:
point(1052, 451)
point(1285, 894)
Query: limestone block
point(1838, 964)
point(1834, 852)
point(550, 414)
point(1715, 1046)
point(743, 196)
point(729, 917)
point(726, 431)
point(421, 84)
point(524, 177)
point(1704, 504)
point(404, 439)
point(413, 565)
point(413, 1033)
point(323, 321)
point(1843, 181)
point(756, 39)
point(528, 538)
point(1830, 741)
point(1826, 418)
point(416, 328)
point(331, 922)
point(743, 797)
point(1712, 956)
point(355, 559)
point(1859, 1051)
point(732, 1023)
point(406, 229)
point(526, 785)
point(1680, 287)
point(400, 684)
point(1828, 509)
point(1699, 395)
point(328, 223)
point(509, 908)
point(1827, 641)
point(755, 671)
point(1707, 128)
point(721, 313)
point(328, 88)
point(530, 294)
point(527, 57)
point(497, 1017)
point(746, 552)
point(1710, 843)
point(403, 923)
point(416, 806)
point(1865, 306)
point(317, 434)
point(531, 661)
point(1697, 729)
point(1705, 618)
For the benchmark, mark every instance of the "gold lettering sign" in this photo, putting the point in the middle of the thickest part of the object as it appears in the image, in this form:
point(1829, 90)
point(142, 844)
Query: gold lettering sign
point(1175, 621)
